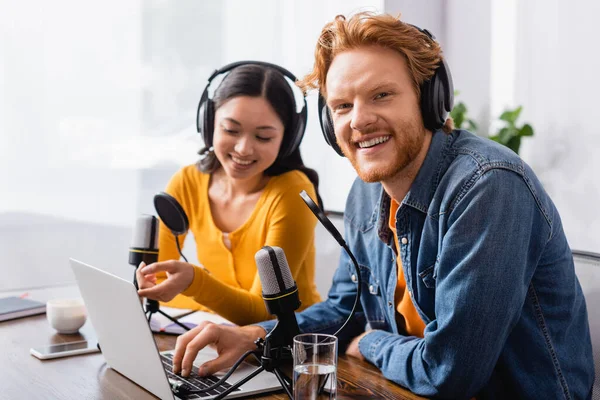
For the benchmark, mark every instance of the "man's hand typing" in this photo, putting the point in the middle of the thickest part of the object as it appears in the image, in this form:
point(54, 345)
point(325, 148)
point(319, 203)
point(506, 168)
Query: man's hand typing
point(229, 341)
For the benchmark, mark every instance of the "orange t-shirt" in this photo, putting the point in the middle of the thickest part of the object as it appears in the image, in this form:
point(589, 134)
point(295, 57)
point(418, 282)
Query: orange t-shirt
point(407, 317)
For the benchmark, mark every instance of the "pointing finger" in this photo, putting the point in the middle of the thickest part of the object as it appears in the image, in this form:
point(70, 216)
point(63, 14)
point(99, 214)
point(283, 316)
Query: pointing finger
point(167, 266)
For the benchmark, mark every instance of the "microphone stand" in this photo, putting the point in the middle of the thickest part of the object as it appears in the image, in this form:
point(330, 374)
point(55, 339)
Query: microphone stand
point(152, 306)
point(274, 354)
point(276, 348)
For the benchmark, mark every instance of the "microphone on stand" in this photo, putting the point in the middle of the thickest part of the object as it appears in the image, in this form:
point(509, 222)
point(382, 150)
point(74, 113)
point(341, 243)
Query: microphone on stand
point(144, 247)
point(280, 293)
point(144, 244)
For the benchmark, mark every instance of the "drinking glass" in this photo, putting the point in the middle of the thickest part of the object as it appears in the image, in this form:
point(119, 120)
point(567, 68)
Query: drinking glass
point(315, 366)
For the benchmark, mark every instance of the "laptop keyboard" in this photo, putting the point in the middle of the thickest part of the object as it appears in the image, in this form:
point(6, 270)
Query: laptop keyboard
point(194, 382)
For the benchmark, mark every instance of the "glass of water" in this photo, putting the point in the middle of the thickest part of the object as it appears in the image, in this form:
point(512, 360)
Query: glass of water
point(315, 366)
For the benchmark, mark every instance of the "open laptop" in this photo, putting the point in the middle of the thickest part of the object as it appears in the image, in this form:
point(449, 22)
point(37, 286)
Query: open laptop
point(128, 346)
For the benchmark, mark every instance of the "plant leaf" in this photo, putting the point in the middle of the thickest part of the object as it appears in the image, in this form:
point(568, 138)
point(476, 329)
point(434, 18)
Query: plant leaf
point(511, 116)
point(472, 126)
point(514, 144)
point(506, 134)
point(526, 130)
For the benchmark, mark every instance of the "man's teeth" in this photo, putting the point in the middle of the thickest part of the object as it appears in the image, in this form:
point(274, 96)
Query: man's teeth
point(373, 142)
point(242, 162)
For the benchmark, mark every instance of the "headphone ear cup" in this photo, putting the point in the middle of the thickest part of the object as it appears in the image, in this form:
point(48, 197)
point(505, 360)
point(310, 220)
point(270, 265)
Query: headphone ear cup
point(298, 127)
point(208, 120)
point(428, 109)
point(205, 118)
point(296, 133)
point(327, 126)
point(448, 89)
point(437, 98)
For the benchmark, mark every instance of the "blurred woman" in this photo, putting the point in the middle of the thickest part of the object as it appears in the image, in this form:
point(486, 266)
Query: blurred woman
point(242, 195)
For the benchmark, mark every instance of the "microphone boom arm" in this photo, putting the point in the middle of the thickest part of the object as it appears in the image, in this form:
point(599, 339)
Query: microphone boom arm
point(339, 238)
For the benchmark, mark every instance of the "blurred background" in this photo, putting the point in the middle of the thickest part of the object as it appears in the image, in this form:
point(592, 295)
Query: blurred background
point(98, 103)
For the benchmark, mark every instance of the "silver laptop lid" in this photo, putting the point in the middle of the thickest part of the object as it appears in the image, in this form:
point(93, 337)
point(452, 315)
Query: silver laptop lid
point(117, 315)
point(124, 336)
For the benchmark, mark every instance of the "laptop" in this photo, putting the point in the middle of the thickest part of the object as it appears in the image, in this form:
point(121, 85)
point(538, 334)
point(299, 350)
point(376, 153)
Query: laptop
point(117, 314)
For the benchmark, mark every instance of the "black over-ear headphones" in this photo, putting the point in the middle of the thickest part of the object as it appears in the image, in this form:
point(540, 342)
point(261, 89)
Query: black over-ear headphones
point(437, 99)
point(205, 116)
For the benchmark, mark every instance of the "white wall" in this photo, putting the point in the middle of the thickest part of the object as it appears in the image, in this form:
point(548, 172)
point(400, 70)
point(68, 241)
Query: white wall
point(557, 64)
point(64, 82)
point(542, 55)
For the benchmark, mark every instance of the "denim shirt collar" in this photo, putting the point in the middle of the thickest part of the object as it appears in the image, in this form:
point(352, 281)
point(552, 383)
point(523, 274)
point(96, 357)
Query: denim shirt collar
point(422, 189)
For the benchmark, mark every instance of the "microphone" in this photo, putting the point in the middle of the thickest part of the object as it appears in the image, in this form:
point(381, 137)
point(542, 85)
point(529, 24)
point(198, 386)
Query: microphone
point(280, 294)
point(338, 237)
point(144, 243)
point(144, 247)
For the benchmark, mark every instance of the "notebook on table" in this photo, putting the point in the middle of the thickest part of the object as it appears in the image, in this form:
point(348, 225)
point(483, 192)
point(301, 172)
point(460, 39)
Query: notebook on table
point(190, 318)
point(17, 307)
point(128, 346)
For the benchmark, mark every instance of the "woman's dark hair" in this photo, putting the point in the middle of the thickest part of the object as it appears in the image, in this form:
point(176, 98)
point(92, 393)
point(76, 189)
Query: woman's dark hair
point(261, 81)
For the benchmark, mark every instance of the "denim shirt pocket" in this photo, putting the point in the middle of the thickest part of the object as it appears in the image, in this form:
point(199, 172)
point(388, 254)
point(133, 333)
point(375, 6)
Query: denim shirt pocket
point(429, 276)
point(371, 298)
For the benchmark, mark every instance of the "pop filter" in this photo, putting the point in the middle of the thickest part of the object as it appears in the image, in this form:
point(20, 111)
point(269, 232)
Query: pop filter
point(171, 213)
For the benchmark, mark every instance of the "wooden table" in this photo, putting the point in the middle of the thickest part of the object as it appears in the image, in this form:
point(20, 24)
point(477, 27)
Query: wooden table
point(23, 376)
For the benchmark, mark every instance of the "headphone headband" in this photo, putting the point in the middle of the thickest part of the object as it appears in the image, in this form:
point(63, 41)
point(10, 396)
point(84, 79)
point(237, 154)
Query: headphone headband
point(205, 113)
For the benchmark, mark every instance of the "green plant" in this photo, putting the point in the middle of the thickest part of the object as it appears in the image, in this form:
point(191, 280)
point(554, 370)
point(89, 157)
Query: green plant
point(510, 134)
point(459, 115)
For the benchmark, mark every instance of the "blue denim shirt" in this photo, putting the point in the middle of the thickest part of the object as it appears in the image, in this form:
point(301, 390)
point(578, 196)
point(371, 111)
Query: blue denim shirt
point(488, 268)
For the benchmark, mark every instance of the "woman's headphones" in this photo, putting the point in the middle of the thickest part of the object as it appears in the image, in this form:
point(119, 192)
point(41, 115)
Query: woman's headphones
point(205, 116)
point(437, 99)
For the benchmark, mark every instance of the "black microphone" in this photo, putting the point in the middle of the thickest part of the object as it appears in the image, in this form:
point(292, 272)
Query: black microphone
point(144, 243)
point(338, 237)
point(280, 294)
point(144, 247)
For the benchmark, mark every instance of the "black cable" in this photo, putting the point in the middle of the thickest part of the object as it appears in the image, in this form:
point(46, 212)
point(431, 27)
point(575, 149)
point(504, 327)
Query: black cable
point(358, 284)
point(179, 248)
point(224, 378)
point(135, 283)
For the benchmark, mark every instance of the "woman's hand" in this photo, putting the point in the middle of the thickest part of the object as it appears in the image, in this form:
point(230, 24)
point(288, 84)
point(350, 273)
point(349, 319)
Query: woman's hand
point(179, 277)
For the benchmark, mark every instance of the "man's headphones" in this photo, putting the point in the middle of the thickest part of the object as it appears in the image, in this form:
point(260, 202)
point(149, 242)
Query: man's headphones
point(205, 116)
point(437, 99)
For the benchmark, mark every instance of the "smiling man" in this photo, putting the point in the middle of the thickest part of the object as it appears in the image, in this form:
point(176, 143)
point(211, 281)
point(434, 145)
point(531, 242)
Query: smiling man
point(469, 287)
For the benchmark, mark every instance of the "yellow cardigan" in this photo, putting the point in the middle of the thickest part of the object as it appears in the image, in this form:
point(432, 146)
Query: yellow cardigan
point(232, 288)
